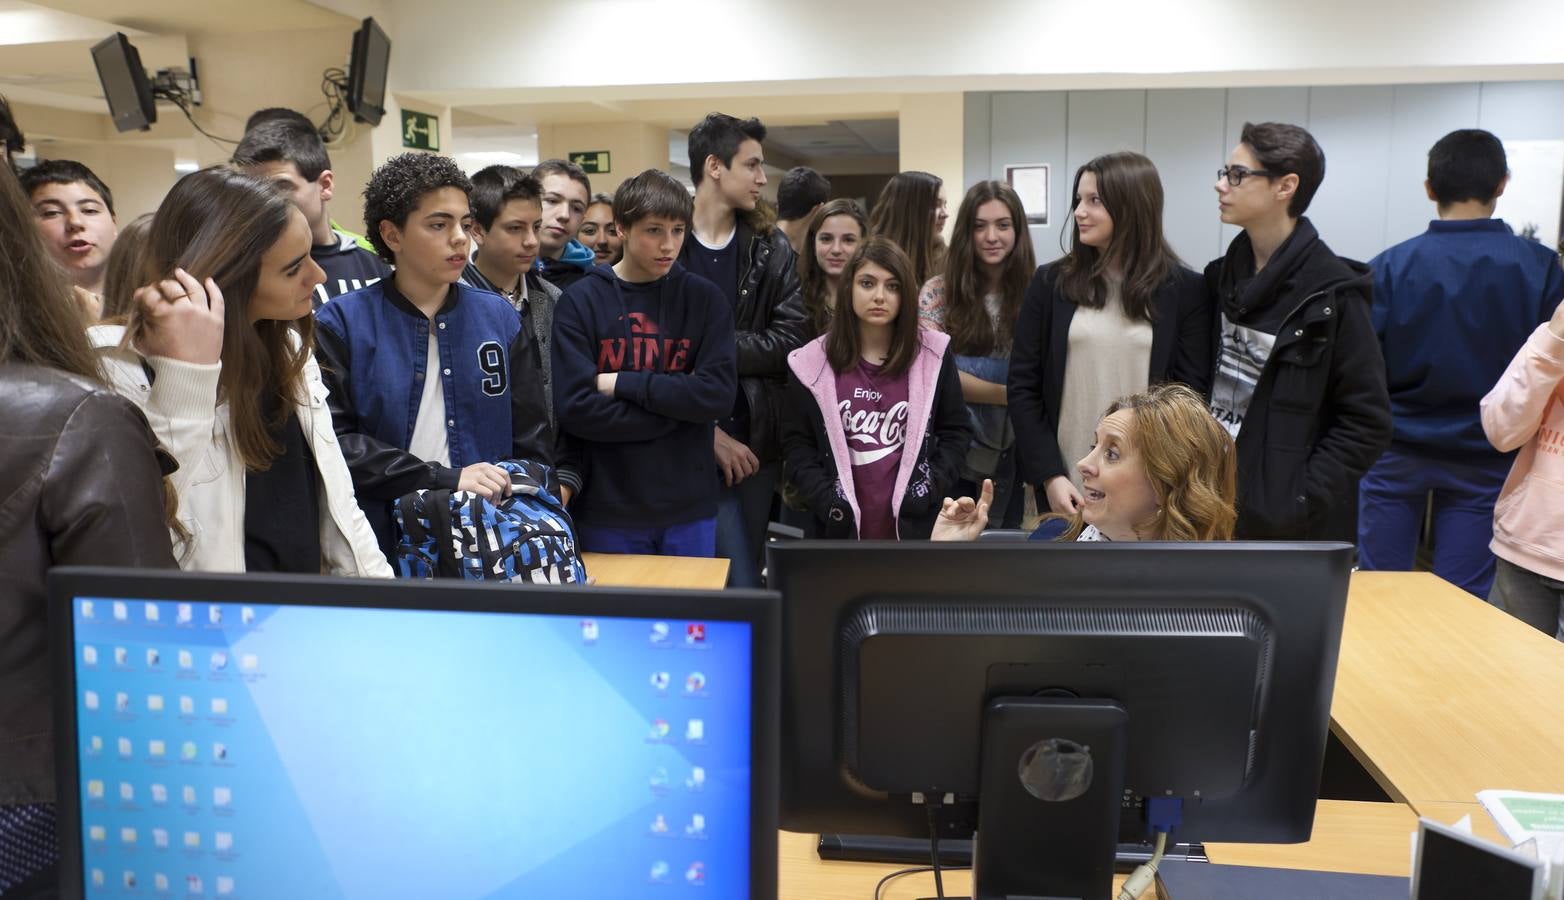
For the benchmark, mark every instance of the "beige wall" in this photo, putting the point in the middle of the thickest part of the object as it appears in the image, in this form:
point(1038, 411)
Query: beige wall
point(633, 148)
point(138, 176)
point(932, 140)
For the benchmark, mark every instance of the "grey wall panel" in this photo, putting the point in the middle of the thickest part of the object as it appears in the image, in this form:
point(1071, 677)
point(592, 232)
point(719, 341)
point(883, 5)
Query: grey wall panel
point(1029, 128)
point(1184, 137)
point(1522, 110)
point(977, 113)
point(1422, 114)
point(1353, 127)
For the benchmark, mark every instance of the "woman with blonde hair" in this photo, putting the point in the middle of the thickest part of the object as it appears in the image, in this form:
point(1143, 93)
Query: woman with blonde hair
point(1161, 468)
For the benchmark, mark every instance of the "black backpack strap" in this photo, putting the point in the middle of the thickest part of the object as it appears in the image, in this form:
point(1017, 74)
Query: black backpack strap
point(437, 506)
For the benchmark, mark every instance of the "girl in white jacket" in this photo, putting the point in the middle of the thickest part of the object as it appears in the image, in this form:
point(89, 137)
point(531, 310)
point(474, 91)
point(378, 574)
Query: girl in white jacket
point(217, 352)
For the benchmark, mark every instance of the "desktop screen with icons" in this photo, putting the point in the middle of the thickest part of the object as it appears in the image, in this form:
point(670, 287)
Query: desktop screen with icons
point(242, 750)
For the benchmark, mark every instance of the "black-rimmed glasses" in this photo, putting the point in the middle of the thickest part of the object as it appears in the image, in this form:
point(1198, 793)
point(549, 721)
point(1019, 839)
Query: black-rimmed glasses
point(1235, 175)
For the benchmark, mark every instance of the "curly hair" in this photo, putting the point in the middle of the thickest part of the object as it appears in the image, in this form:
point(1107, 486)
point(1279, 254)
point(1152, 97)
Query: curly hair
point(396, 187)
point(1190, 460)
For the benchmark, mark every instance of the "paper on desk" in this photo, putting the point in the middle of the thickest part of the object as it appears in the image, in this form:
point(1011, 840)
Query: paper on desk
point(1524, 816)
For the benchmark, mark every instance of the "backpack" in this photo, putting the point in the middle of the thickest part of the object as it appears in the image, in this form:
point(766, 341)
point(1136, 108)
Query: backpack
point(526, 537)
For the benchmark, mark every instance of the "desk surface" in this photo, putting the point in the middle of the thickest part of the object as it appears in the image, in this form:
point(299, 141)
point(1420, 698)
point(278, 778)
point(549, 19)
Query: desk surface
point(628, 570)
point(1441, 695)
point(1368, 838)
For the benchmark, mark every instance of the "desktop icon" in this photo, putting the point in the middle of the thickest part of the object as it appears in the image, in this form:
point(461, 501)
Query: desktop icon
point(697, 826)
point(695, 683)
point(193, 884)
point(249, 662)
point(156, 748)
point(183, 614)
point(225, 885)
point(187, 750)
point(219, 660)
point(247, 615)
point(219, 706)
point(155, 703)
point(188, 794)
point(186, 706)
point(697, 779)
point(86, 609)
point(223, 841)
point(695, 730)
point(90, 700)
point(127, 835)
point(160, 838)
point(589, 631)
point(193, 839)
point(695, 633)
point(121, 702)
point(89, 655)
point(186, 659)
point(659, 729)
point(128, 879)
point(152, 612)
point(97, 878)
point(127, 791)
point(124, 747)
point(696, 873)
point(659, 871)
point(219, 752)
point(121, 612)
point(660, 824)
point(94, 745)
point(97, 833)
point(222, 797)
point(659, 779)
point(160, 880)
point(121, 656)
point(154, 658)
point(659, 632)
point(160, 794)
point(214, 614)
point(660, 681)
point(95, 790)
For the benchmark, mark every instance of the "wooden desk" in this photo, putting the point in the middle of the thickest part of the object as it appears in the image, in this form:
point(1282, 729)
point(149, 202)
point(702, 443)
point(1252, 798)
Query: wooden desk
point(628, 570)
point(1440, 695)
point(1368, 838)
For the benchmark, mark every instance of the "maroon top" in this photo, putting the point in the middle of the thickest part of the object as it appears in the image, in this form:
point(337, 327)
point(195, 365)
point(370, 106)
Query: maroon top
point(874, 415)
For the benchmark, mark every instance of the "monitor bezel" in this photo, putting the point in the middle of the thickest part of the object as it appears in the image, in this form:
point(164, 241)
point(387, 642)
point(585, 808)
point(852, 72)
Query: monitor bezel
point(759, 609)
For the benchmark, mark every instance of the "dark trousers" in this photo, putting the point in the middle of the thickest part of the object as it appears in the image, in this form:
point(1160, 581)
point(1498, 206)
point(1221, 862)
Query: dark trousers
point(742, 513)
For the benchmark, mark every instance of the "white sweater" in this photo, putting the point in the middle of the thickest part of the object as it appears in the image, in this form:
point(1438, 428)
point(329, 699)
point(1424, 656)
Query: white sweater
point(180, 402)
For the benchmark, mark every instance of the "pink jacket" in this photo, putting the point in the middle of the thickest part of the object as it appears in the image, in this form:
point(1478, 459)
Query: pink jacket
point(1526, 410)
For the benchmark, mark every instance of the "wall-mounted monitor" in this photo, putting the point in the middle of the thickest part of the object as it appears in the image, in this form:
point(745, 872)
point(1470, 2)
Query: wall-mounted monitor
point(367, 73)
point(125, 84)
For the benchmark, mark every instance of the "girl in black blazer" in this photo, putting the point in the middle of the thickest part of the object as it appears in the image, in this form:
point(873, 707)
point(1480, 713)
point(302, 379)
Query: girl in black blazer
point(1149, 322)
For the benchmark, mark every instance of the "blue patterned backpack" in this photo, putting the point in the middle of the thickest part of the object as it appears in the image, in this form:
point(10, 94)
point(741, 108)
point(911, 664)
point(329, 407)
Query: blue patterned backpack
point(527, 536)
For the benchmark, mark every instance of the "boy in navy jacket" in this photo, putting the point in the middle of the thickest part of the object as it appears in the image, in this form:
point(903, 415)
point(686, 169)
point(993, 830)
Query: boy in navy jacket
point(431, 382)
point(643, 367)
point(1452, 307)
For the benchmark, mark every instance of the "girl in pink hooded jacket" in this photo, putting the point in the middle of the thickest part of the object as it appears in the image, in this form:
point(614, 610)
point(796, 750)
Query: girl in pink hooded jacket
point(1525, 410)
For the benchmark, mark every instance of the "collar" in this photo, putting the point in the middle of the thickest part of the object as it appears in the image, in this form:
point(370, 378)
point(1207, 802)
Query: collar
point(1469, 225)
point(399, 300)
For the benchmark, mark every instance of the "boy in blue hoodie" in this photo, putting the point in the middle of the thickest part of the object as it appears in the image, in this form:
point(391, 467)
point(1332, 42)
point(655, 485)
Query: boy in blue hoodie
point(567, 190)
point(643, 367)
point(430, 381)
point(1452, 306)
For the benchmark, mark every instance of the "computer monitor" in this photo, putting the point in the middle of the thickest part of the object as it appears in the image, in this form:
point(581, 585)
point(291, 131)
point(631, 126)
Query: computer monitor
point(367, 73)
point(1195, 671)
point(275, 736)
point(124, 82)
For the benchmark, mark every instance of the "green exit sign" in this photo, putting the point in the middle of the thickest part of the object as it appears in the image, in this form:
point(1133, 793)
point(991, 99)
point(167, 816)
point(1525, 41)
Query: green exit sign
point(420, 131)
point(592, 162)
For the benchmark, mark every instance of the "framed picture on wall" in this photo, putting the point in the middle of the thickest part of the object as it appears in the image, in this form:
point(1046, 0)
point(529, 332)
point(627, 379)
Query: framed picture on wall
point(1031, 184)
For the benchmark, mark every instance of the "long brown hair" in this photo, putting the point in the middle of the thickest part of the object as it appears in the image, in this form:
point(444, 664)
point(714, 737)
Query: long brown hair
point(217, 223)
point(40, 321)
point(811, 277)
point(844, 342)
point(972, 331)
point(122, 274)
point(1131, 191)
point(1190, 460)
point(905, 214)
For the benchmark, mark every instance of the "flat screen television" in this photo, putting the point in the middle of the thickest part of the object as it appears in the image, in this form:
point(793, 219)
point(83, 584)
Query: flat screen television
point(125, 84)
point(367, 73)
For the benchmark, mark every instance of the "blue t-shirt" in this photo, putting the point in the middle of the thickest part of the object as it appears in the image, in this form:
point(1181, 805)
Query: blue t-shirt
point(720, 266)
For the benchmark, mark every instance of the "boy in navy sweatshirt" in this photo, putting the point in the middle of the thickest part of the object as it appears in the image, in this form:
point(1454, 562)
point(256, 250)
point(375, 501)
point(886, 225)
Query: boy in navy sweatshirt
point(643, 367)
point(1452, 306)
point(430, 382)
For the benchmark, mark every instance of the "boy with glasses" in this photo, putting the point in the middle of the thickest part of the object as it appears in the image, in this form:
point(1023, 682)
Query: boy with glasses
point(1299, 380)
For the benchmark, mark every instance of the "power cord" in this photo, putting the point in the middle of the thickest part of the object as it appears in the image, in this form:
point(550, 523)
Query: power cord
point(180, 99)
point(1163, 814)
point(932, 805)
point(903, 873)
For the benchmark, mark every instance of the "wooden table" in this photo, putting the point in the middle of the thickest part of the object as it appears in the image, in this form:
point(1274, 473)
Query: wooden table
point(1440, 695)
point(628, 570)
point(1349, 836)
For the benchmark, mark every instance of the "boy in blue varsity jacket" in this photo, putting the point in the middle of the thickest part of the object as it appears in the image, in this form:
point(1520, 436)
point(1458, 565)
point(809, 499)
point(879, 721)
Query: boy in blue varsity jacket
point(643, 367)
point(431, 382)
point(1452, 307)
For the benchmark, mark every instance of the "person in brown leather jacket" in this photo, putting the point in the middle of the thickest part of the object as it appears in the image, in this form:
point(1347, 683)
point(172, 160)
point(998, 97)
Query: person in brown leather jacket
point(80, 483)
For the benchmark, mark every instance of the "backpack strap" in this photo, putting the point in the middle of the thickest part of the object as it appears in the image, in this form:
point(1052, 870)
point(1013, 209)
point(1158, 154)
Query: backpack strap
point(437, 506)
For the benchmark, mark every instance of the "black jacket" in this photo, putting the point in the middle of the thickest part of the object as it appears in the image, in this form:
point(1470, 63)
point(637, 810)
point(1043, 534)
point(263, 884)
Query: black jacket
point(80, 484)
point(1320, 413)
point(1180, 351)
point(768, 323)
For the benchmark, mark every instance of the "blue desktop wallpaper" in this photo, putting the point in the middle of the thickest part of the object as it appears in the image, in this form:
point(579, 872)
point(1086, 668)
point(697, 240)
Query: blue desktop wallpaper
point(260, 751)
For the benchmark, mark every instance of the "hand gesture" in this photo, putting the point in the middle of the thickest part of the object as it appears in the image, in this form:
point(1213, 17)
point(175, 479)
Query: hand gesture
point(181, 319)
point(964, 519)
point(1063, 498)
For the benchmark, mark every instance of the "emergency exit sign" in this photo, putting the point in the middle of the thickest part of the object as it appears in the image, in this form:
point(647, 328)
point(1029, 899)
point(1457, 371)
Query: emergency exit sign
point(592, 162)
point(420, 131)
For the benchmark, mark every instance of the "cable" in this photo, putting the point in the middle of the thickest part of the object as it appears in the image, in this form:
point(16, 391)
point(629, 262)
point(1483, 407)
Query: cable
point(179, 99)
point(902, 873)
point(932, 806)
point(1145, 873)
